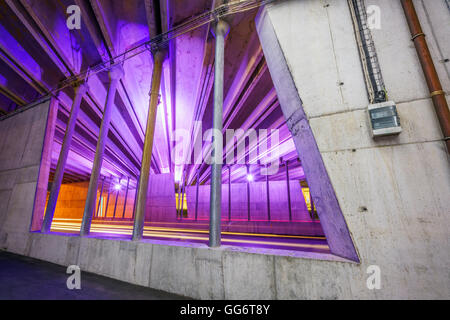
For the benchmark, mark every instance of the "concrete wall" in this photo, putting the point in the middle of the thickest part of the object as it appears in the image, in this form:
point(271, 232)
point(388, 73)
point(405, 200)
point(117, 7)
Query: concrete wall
point(393, 192)
point(71, 200)
point(23, 170)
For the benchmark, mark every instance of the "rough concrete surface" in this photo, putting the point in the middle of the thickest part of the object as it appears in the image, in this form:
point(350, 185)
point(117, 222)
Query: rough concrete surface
point(26, 278)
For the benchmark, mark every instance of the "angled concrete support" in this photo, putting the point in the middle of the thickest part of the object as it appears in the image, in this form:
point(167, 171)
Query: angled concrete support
point(220, 31)
point(115, 74)
point(138, 227)
point(278, 58)
point(80, 90)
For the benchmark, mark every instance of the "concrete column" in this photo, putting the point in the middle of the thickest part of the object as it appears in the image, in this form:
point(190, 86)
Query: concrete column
point(80, 90)
point(221, 29)
point(115, 74)
point(101, 193)
point(138, 227)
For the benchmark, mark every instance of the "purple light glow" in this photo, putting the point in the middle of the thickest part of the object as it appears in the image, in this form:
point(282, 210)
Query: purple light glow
point(250, 178)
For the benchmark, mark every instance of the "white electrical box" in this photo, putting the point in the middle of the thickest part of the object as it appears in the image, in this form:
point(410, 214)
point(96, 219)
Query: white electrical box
point(384, 119)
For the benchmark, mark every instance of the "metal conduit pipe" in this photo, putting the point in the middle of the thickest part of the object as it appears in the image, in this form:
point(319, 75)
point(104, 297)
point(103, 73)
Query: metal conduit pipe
point(369, 58)
point(220, 31)
point(429, 70)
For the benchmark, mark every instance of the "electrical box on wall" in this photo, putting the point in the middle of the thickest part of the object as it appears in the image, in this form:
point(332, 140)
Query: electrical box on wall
point(384, 119)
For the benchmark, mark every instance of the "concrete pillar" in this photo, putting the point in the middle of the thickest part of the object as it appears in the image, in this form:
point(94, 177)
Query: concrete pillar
point(115, 74)
point(221, 29)
point(138, 227)
point(101, 193)
point(80, 90)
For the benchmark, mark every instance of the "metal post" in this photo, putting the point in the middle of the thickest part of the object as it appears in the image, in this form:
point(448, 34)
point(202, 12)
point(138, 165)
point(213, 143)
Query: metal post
point(196, 195)
point(229, 193)
point(220, 30)
point(126, 196)
point(80, 90)
point(267, 193)
point(248, 194)
point(100, 199)
point(288, 190)
point(138, 226)
point(115, 74)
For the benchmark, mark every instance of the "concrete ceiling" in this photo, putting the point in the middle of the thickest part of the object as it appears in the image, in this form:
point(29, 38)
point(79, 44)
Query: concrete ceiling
point(38, 51)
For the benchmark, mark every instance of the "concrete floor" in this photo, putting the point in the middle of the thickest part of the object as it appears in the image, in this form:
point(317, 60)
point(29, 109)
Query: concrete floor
point(31, 279)
point(185, 233)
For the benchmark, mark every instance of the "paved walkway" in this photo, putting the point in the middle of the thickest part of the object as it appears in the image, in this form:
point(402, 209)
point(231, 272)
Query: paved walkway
point(26, 278)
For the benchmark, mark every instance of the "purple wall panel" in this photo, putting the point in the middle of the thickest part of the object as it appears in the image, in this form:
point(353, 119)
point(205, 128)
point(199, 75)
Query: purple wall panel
point(258, 201)
point(161, 205)
point(279, 208)
point(301, 224)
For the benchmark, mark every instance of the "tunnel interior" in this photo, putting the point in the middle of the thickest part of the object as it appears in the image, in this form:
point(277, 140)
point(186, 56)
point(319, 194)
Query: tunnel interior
point(258, 210)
